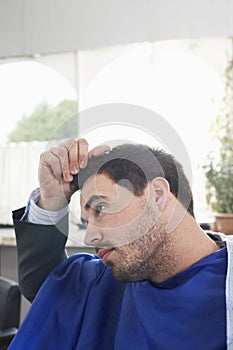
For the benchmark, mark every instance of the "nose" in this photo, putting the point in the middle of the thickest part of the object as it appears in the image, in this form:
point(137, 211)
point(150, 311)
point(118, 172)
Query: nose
point(93, 235)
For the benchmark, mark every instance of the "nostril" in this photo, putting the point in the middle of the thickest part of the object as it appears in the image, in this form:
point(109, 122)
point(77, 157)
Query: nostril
point(94, 240)
point(93, 236)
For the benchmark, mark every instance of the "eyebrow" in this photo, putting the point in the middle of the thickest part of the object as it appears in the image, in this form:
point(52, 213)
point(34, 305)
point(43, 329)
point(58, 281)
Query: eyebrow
point(92, 199)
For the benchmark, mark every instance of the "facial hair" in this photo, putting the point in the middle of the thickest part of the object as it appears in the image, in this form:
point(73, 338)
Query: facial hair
point(147, 253)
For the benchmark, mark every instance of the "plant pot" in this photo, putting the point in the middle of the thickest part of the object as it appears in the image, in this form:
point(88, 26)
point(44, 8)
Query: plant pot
point(223, 223)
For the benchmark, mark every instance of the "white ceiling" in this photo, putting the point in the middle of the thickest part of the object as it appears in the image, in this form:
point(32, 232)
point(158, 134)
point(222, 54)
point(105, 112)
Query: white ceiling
point(29, 27)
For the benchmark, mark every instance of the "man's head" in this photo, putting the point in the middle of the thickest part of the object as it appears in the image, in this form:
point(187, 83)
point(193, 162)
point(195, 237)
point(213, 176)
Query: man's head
point(134, 165)
point(128, 197)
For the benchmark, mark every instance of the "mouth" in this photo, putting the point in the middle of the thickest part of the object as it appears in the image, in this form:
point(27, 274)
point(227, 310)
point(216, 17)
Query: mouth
point(104, 254)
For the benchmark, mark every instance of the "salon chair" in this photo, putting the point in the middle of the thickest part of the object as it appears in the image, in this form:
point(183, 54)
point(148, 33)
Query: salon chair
point(10, 302)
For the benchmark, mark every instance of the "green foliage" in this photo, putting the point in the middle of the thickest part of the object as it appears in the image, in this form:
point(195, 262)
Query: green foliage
point(47, 123)
point(219, 167)
point(220, 186)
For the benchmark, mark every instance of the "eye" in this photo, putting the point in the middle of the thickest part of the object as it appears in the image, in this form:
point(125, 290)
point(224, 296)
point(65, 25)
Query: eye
point(100, 207)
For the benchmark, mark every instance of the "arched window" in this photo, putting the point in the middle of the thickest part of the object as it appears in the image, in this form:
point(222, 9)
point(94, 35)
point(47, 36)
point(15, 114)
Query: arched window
point(179, 80)
point(32, 94)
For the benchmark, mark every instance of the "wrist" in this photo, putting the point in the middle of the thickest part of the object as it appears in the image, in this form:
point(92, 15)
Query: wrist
point(52, 203)
point(36, 215)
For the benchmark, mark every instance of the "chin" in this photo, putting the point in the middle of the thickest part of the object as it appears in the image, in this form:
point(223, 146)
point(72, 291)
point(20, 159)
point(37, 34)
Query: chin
point(118, 274)
point(122, 278)
point(125, 276)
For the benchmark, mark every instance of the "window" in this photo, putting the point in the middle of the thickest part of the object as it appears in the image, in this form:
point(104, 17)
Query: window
point(24, 85)
point(179, 80)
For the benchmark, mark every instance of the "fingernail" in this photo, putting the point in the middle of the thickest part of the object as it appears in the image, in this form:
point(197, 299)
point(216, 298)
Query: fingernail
point(68, 177)
point(74, 169)
point(83, 164)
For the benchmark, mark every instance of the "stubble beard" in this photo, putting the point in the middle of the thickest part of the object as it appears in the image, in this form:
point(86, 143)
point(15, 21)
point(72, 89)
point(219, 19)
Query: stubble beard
point(139, 259)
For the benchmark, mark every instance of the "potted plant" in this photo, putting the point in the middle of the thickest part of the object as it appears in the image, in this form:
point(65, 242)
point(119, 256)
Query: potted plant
point(219, 166)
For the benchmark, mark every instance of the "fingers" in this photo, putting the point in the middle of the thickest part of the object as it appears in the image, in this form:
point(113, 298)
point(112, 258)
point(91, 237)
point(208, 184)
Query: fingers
point(70, 166)
point(60, 163)
point(49, 164)
point(72, 156)
point(82, 152)
point(77, 152)
point(98, 150)
point(65, 160)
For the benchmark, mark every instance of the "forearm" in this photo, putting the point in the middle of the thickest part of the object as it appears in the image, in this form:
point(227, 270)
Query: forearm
point(40, 249)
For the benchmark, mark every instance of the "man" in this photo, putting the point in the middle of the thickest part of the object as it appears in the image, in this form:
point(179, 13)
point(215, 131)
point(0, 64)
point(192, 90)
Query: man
point(160, 282)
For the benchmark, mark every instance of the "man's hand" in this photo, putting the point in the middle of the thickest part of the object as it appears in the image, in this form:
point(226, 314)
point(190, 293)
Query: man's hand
point(57, 168)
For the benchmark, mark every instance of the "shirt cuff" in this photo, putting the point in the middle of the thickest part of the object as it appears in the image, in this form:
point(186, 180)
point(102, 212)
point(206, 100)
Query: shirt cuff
point(37, 215)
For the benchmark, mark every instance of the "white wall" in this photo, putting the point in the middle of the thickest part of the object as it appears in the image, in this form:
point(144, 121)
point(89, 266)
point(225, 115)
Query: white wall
point(29, 27)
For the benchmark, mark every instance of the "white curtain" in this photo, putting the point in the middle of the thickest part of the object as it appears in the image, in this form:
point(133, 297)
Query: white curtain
point(18, 175)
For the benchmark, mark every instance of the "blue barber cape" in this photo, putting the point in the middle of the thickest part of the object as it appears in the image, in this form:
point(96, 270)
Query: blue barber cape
point(81, 306)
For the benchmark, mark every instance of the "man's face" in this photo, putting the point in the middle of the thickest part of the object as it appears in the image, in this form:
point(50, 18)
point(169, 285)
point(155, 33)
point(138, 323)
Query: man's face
point(125, 228)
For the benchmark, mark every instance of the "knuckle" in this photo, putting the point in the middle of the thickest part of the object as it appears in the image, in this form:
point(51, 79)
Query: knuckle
point(71, 142)
point(53, 149)
point(67, 144)
point(62, 151)
point(83, 142)
point(43, 156)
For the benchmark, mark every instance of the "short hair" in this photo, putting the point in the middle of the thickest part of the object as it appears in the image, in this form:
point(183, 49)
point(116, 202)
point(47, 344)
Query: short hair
point(134, 166)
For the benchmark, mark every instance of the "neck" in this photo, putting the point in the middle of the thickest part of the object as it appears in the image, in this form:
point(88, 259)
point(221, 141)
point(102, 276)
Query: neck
point(181, 248)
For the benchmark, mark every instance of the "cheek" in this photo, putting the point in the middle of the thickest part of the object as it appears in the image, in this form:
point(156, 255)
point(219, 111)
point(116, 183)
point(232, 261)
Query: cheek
point(128, 225)
point(121, 219)
point(116, 230)
point(123, 231)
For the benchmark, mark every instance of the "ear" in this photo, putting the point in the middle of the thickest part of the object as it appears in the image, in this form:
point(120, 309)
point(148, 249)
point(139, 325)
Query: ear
point(161, 189)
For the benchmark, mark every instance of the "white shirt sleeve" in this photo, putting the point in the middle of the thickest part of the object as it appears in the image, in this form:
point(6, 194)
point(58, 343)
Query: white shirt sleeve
point(37, 215)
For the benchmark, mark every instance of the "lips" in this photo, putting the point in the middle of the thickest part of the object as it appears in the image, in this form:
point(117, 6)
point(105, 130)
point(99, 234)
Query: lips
point(105, 253)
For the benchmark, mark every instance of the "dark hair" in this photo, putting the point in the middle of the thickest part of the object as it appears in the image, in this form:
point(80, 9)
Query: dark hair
point(134, 165)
